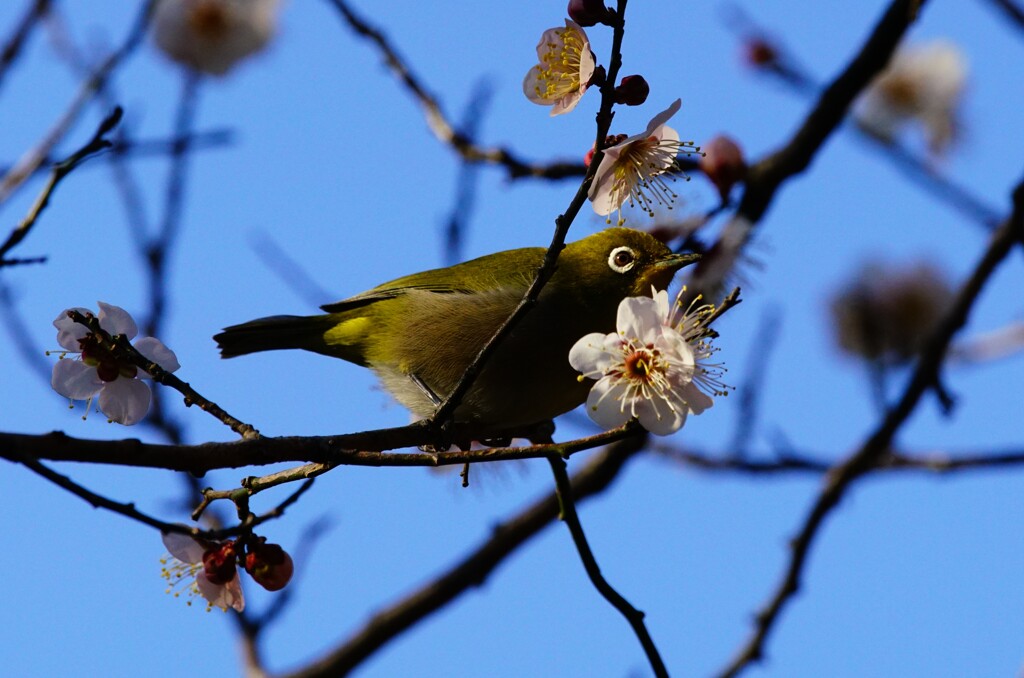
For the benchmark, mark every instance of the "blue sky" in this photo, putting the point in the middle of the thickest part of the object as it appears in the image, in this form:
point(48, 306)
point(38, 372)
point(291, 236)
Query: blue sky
point(332, 160)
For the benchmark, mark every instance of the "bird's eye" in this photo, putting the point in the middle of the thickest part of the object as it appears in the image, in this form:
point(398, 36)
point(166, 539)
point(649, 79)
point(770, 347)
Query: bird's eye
point(621, 259)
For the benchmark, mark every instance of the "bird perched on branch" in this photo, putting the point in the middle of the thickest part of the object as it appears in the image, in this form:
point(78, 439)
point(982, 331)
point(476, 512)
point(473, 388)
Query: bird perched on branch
point(419, 333)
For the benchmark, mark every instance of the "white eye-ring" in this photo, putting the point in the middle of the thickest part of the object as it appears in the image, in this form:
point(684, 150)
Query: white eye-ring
point(622, 259)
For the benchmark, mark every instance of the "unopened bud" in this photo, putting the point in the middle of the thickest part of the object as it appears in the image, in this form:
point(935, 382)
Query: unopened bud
point(760, 53)
point(632, 90)
point(219, 563)
point(269, 565)
point(590, 13)
point(723, 164)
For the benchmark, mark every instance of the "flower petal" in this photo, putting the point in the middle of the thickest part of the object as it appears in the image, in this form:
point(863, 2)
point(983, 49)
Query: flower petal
point(155, 350)
point(68, 331)
point(639, 318)
point(661, 118)
point(590, 356)
point(125, 401)
point(116, 320)
point(605, 403)
point(662, 416)
point(183, 547)
point(74, 379)
point(221, 595)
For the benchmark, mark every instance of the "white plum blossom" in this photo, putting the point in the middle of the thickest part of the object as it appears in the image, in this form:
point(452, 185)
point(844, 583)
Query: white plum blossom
point(119, 392)
point(653, 368)
point(634, 169)
point(565, 68)
point(211, 36)
point(210, 567)
point(923, 83)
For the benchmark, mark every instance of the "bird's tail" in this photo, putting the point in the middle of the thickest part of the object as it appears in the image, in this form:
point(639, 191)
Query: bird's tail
point(275, 333)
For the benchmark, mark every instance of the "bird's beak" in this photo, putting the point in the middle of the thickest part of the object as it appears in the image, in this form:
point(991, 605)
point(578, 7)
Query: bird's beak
point(674, 262)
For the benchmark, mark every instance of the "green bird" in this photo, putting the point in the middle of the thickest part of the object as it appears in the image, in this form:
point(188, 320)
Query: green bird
point(419, 333)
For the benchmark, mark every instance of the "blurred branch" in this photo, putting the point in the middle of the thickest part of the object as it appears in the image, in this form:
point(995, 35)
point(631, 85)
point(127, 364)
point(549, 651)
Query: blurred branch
point(288, 270)
point(1012, 11)
point(471, 571)
point(766, 176)
point(30, 162)
point(567, 513)
point(910, 164)
point(353, 449)
point(12, 47)
point(438, 123)
point(466, 182)
point(932, 462)
point(749, 392)
point(878, 444)
point(97, 143)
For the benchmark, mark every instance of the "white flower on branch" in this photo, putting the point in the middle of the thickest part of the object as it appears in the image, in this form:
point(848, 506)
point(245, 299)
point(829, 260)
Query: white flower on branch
point(654, 368)
point(634, 170)
point(115, 384)
point(922, 84)
point(211, 36)
point(565, 68)
point(208, 569)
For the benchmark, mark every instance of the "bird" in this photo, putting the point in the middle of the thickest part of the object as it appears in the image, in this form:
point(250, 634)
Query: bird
point(420, 332)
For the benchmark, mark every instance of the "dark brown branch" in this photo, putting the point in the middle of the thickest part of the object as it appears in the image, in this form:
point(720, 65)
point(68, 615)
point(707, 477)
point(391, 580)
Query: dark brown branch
point(878, 444)
point(471, 571)
point(353, 449)
point(567, 512)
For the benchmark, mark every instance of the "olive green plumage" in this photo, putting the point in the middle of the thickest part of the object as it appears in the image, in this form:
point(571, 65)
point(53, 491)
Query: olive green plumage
point(432, 324)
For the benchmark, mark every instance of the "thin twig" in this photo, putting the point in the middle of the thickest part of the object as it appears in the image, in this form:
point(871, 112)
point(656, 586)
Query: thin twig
point(567, 512)
point(1012, 11)
point(122, 349)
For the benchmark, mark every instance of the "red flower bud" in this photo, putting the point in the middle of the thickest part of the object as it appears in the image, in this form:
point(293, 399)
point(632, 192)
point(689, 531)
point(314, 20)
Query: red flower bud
point(590, 13)
point(219, 563)
point(723, 164)
point(760, 53)
point(632, 90)
point(270, 565)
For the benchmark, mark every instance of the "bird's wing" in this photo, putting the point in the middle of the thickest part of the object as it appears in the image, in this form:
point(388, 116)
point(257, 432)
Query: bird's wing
point(511, 268)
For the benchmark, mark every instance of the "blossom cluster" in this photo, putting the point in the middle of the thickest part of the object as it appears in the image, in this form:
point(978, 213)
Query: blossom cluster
point(210, 569)
point(656, 367)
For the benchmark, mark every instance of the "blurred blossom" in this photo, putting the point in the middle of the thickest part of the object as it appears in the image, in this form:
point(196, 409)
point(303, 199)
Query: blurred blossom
point(723, 164)
point(634, 169)
point(922, 84)
point(655, 368)
point(565, 68)
point(211, 36)
point(886, 313)
point(204, 568)
point(115, 384)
